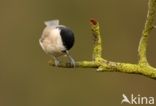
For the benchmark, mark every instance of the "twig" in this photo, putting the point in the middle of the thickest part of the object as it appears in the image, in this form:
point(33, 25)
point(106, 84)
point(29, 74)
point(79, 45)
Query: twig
point(97, 51)
point(142, 49)
point(82, 64)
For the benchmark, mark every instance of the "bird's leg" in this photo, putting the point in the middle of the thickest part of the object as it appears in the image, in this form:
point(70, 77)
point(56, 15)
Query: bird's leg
point(72, 61)
point(57, 62)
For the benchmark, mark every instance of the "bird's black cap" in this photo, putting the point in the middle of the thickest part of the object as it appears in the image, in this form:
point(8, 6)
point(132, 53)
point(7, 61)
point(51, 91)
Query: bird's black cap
point(67, 37)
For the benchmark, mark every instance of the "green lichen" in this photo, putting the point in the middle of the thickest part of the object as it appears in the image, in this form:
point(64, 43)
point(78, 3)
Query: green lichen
point(142, 49)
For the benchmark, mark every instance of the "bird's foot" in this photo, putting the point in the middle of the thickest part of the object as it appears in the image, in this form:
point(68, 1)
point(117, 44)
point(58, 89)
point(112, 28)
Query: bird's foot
point(57, 63)
point(54, 63)
point(71, 63)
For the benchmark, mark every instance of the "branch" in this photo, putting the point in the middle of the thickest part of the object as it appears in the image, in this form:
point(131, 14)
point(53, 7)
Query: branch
point(103, 65)
point(109, 66)
point(142, 49)
point(97, 51)
point(82, 64)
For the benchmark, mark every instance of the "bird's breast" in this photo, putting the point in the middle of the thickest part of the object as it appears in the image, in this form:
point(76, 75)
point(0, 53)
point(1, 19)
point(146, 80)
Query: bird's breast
point(51, 43)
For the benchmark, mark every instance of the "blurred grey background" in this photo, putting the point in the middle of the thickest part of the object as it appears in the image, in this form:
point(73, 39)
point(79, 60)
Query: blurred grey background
point(27, 80)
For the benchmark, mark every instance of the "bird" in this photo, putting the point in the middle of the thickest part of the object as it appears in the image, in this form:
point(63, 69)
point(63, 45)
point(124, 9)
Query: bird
point(56, 40)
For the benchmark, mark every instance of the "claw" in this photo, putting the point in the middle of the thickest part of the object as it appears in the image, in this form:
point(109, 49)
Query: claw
point(71, 60)
point(57, 62)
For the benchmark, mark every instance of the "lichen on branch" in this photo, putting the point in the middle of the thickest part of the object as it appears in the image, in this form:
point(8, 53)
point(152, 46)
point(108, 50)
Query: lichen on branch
point(97, 50)
point(103, 65)
point(142, 49)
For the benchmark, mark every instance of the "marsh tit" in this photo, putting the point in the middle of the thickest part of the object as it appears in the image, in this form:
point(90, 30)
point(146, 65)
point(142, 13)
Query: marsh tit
point(56, 40)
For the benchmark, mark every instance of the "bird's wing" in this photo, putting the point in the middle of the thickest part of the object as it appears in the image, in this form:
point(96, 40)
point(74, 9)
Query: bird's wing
point(52, 22)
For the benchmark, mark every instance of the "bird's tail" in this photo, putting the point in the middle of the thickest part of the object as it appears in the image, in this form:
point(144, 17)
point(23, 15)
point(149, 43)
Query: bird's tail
point(52, 22)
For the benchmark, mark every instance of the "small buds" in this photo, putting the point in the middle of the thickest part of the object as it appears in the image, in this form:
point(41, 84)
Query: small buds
point(93, 21)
